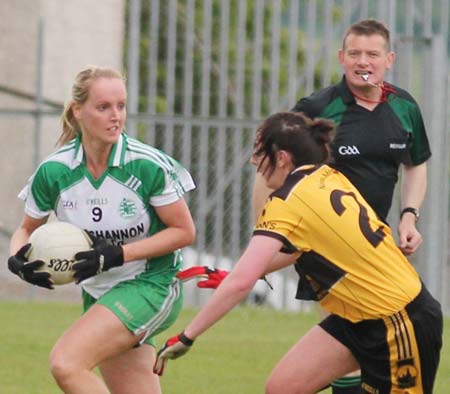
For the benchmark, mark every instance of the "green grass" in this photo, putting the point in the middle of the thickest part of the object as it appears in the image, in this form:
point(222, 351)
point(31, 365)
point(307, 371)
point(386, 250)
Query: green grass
point(235, 356)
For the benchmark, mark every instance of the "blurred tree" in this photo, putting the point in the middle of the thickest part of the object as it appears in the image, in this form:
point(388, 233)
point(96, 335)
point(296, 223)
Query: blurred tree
point(232, 53)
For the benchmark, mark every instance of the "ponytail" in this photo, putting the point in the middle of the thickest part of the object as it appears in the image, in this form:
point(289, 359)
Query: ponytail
point(69, 124)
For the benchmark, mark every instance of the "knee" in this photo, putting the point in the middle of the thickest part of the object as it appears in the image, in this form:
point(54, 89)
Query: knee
point(60, 366)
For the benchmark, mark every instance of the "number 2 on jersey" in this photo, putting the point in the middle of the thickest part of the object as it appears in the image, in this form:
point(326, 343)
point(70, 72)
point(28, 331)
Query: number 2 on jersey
point(374, 237)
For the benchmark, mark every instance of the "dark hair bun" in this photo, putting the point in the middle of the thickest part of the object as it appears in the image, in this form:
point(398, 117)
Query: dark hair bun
point(322, 130)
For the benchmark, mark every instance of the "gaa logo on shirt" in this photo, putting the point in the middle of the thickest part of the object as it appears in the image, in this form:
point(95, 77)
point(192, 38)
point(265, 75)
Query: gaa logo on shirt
point(127, 208)
point(348, 150)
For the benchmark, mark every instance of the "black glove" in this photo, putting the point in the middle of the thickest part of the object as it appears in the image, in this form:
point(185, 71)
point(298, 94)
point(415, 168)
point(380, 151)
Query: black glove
point(101, 258)
point(19, 265)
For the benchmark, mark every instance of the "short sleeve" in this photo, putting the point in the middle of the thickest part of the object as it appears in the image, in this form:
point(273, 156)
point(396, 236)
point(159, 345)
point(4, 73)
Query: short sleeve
point(173, 181)
point(279, 221)
point(39, 196)
point(420, 147)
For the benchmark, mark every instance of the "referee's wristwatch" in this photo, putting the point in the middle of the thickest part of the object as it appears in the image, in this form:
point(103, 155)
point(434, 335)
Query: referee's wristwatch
point(412, 210)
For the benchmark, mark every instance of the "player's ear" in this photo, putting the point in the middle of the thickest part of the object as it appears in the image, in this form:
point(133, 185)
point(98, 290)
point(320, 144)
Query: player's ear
point(76, 110)
point(341, 56)
point(390, 59)
point(284, 159)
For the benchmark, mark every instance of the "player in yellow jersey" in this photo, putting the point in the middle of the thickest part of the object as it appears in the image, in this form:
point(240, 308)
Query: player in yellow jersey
point(382, 318)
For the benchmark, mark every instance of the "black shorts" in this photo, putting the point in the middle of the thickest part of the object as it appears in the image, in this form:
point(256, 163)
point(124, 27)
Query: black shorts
point(398, 354)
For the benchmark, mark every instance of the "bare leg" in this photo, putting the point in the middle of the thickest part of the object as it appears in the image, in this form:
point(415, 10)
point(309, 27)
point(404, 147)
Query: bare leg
point(97, 336)
point(313, 363)
point(132, 372)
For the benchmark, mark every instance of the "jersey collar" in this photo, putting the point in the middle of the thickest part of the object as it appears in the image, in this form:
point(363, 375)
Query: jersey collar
point(116, 158)
point(349, 98)
point(345, 92)
point(306, 168)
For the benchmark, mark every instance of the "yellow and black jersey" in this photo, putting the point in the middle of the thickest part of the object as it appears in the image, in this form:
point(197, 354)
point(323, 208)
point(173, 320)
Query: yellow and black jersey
point(357, 271)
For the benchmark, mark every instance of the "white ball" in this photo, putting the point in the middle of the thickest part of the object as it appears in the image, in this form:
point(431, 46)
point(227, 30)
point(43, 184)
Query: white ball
point(56, 244)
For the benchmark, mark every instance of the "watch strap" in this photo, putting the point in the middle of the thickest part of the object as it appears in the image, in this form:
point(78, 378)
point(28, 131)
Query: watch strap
point(412, 210)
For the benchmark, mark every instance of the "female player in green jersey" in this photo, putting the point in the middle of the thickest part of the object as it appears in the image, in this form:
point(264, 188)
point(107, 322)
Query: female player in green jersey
point(382, 318)
point(128, 197)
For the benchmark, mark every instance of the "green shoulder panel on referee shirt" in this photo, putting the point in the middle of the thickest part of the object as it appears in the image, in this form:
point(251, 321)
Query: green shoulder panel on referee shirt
point(334, 111)
point(325, 103)
point(408, 112)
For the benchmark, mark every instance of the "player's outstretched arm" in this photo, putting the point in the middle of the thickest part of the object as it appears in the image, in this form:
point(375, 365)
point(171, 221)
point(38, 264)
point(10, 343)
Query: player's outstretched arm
point(235, 287)
point(213, 277)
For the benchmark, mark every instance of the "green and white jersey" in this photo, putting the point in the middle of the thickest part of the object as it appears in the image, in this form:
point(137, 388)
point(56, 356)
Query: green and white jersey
point(119, 206)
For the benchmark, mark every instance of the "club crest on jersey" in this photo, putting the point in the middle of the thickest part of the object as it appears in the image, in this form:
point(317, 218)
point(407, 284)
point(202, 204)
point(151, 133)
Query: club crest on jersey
point(127, 208)
point(348, 150)
point(173, 176)
point(406, 373)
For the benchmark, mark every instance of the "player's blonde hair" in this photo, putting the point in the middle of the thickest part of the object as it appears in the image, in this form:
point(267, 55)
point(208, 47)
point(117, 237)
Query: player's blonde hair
point(80, 93)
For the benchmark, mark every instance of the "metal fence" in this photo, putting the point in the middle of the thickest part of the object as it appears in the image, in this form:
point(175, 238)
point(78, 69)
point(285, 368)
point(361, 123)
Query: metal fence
point(203, 73)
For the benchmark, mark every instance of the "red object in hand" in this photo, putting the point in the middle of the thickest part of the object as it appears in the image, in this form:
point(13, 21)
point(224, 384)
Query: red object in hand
point(213, 276)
